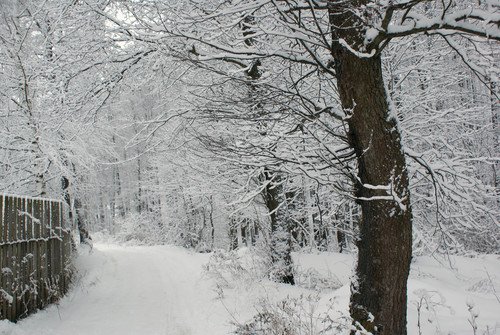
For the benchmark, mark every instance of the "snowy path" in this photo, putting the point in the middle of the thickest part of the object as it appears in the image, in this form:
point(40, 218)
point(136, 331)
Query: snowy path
point(162, 290)
point(133, 290)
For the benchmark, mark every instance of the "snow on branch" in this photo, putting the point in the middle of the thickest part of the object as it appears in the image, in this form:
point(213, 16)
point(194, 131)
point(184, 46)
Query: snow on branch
point(390, 194)
point(472, 21)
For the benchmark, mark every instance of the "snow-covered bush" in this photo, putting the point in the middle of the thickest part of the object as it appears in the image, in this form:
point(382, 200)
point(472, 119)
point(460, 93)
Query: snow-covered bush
point(294, 316)
point(314, 280)
point(142, 229)
point(237, 266)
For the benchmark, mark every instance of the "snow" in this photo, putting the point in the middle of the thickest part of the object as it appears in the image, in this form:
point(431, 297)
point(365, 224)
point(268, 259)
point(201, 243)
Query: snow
point(355, 52)
point(449, 292)
point(445, 286)
point(132, 290)
point(165, 290)
point(370, 35)
point(453, 21)
point(6, 296)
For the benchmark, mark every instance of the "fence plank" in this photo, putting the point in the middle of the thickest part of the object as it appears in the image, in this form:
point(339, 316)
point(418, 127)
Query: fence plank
point(10, 225)
point(1, 217)
point(2, 258)
point(16, 259)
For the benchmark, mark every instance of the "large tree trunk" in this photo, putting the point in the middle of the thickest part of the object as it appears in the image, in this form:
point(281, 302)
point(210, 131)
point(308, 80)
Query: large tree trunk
point(378, 296)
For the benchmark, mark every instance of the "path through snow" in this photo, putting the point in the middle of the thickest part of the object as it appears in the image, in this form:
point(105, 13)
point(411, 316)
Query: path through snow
point(133, 290)
point(161, 290)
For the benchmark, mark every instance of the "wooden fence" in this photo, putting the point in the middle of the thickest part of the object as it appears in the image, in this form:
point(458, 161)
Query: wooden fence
point(35, 249)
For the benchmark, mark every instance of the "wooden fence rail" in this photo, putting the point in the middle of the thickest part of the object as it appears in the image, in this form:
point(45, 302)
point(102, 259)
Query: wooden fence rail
point(35, 250)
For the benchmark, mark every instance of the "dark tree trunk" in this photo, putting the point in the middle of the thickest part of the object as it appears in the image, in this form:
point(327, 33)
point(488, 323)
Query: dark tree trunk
point(281, 257)
point(84, 233)
point(139, 205)
point(212, 227)
point(233, 238)
point(281, 248)
point(341, 239)
point(385, 229)
point(495, 121)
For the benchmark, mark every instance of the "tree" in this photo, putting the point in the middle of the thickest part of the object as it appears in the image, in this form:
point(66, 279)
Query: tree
point(47, 100)
point(345, 40)
point(444, 111)
point(59, 68)
point(337, 43)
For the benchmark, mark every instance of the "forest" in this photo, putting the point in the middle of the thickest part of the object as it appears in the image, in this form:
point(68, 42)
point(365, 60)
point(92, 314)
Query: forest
point(270, 130)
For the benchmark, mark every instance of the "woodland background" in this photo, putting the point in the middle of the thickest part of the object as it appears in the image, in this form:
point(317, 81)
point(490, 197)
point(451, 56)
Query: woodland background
point(153, 134)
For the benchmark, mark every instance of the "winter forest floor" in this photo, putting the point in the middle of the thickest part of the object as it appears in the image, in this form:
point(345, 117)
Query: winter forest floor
point(168, 290)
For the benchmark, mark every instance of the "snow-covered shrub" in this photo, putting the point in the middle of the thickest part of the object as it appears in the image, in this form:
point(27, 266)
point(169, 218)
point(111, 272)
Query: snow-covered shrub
point(236, 266)
point(313, 280)
point(141, 228)
point(294, 316)
point(151, 229)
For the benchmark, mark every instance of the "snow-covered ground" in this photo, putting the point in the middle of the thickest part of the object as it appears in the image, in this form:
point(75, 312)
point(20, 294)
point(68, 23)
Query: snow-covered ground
point(132, 290)
point(440, 292)
point(166, 290)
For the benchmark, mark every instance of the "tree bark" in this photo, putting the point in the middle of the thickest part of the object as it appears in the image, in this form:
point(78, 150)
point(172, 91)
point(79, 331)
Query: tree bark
point(379, 293)
point(495, 121)
point(281, 247)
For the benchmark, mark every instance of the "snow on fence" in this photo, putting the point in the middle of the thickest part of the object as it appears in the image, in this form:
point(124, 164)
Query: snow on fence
point(35, 249)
